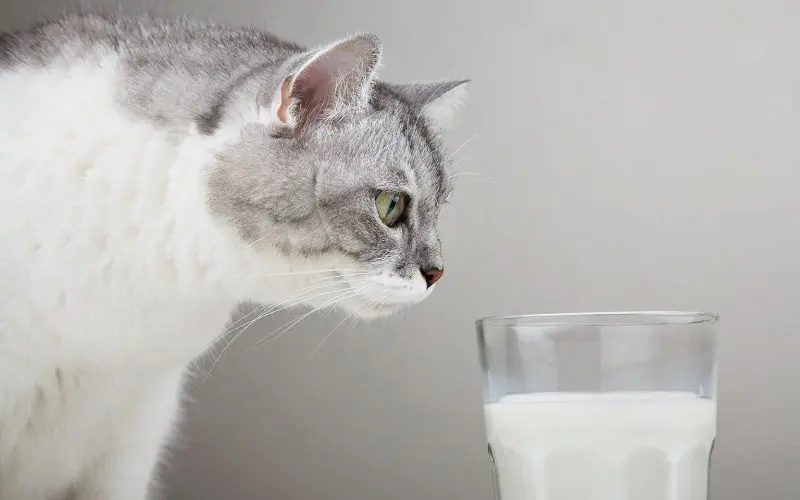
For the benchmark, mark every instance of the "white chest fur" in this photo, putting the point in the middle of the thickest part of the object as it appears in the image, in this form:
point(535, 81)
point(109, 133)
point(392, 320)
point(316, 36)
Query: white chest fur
point(97, 320)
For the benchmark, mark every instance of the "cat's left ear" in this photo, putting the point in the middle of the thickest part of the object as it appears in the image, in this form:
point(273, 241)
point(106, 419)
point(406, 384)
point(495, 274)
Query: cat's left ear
point(437, 101)
point(323, 84)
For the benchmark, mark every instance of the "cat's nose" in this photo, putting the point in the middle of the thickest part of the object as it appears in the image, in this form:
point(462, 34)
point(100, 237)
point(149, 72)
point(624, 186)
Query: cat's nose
point(432, 275)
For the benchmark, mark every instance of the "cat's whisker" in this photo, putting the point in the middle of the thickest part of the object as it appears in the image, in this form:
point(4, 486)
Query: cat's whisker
point(313, 271)
point(475, 175)
point(316, 271)
point(341, 277)
point(290, 302)
point(455, 151)
point(326, 314)
point(278, 332)
point(350, 275)
point(256, 310)
point(259, 240)
point(266, 310)
point(454, 165)
point(294, 300)
point(331, 303)
point(452, 159)
point(263, 313)
point(455, 162)
point(326, 337)
point(231, 328)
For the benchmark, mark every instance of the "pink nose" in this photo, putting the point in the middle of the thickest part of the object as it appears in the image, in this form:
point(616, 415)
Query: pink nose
point(432, 276)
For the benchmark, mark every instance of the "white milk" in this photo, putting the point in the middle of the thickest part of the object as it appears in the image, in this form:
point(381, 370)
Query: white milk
point(611, 446)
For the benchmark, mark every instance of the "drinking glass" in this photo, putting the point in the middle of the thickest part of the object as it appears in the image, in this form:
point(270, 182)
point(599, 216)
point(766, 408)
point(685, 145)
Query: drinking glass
point(600, 406)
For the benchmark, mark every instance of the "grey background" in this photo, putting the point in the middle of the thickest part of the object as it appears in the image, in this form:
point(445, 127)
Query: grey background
point(637, 155)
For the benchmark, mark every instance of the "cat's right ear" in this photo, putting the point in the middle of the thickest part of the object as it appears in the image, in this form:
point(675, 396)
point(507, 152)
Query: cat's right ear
point(323, 84)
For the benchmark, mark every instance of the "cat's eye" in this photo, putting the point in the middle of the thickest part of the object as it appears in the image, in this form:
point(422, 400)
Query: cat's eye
point(390, 207)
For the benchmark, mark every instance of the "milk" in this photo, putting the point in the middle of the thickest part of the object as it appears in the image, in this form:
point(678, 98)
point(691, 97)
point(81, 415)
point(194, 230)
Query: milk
point(609, 446)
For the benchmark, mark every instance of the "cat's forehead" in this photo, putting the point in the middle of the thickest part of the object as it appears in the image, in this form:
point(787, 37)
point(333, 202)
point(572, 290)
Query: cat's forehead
point(394, 145)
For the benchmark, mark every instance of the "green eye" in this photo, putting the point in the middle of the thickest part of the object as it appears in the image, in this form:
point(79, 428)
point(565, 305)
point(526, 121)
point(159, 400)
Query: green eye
point(390, 207)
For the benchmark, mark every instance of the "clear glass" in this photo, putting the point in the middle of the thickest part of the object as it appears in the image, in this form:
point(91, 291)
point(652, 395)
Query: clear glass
point(600, 406)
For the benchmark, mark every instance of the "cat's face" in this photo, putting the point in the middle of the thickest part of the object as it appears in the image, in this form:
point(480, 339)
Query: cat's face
point(347, 175)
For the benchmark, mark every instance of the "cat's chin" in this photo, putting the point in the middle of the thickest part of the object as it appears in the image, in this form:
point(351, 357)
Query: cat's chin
point(365, 309)
point(380, 310)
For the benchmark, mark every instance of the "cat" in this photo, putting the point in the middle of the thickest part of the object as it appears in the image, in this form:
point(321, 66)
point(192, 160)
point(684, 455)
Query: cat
point(157, 173)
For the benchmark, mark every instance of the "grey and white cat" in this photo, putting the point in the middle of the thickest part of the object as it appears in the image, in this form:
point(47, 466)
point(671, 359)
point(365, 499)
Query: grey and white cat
point(155, 174)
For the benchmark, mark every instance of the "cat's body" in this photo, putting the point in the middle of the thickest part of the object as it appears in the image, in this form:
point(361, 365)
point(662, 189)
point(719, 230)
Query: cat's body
point(153, 175)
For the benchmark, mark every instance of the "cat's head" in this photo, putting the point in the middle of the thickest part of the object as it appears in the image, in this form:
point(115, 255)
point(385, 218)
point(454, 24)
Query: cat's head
point(340, 172)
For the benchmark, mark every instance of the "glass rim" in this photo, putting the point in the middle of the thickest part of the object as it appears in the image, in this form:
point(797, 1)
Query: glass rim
point(595, 319)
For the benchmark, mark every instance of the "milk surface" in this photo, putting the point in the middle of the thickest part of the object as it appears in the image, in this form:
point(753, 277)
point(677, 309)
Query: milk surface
point(608, 446)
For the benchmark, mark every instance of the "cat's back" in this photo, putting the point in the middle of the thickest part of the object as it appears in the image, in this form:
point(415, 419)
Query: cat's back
point(168, 70)
point(138, 37)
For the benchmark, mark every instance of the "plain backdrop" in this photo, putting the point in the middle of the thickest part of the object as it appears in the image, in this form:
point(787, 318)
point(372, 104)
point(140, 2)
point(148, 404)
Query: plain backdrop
point(616, 155)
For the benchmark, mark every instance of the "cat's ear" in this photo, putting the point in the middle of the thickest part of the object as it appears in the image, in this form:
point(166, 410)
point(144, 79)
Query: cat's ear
point(437, 101)
point(326, 83)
